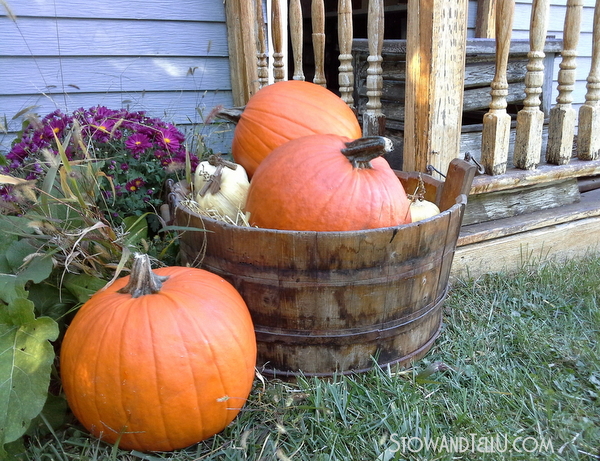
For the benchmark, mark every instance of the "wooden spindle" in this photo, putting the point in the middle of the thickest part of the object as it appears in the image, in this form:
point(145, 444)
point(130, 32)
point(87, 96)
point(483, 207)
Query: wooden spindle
point(561, 128)
point(261, 43)
point(373, 118)
point(277, 34)
point(318, 38)
point(588, 137)
point(530, 119)
point(297, 37)
point(345, 33)
point(496, 123)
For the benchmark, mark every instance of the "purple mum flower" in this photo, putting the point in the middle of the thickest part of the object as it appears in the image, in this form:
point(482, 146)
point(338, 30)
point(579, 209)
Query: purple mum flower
point(137, 143)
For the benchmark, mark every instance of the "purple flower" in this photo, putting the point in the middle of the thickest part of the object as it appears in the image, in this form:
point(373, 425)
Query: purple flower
point(137, 143)
point(134, 184)
point(168, 138)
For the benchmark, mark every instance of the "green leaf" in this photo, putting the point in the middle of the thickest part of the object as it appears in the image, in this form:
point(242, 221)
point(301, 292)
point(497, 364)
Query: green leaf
point(82, 286)
point(26, 356)
point(18, 266)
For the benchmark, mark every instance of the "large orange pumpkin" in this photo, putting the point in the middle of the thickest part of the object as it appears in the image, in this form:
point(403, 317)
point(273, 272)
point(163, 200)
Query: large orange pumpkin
point(159, 360)
point(327, 183)
point(288, 110)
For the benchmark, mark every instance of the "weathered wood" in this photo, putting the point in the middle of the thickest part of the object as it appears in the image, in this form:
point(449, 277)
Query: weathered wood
point(373, 118)
point(346, 71)
point(297, 38)
point(587, 207)
point(318, 38)
point(434, 85)
point(242, 46)
point(277, 32)
point(496, 123)
point(485, 26)
point(556, 242)
point(544, 173)
point(327, 302)
point(526, 199)
point(588, 136)
point(530, 119)
point(563, 115)
point(261, 43)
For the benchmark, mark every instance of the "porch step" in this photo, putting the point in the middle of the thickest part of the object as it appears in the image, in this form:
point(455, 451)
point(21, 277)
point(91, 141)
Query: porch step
point(510, 243)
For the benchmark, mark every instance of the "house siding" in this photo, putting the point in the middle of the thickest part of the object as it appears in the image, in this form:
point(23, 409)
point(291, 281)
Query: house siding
point(169, 59)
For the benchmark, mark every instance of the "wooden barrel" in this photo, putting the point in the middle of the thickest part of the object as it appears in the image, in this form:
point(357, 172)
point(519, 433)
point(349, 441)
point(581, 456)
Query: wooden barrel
point(337, 302)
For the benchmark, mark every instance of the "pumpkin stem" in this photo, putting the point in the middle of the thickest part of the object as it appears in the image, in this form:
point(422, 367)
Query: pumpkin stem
point(142, 280)
point(361, 151)
point(231, 115)
point(419, 193)
point(213, 184)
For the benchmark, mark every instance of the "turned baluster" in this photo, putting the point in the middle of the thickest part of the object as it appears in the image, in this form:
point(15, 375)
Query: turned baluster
point(277, 34)
point(345, 32)
point(318, 38)
point(530, 119)
point(496, 123)
point(373, 118)
point(561, 128)
point(296, 36)
point(588, 137)
point(262, 56)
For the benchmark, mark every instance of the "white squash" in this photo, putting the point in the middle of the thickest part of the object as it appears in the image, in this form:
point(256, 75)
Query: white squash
point(220, 188)
point(422, 209)
point(419, 207)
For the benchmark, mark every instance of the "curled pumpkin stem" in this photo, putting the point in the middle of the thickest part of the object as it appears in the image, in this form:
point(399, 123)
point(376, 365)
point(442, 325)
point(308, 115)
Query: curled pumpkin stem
point(213, 184)
point(231, 115)
point(361, 151)
point(142, 281)
point(419, 193)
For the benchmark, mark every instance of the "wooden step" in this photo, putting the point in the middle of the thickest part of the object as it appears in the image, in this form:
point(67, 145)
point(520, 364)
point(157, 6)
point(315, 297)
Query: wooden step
point(507, 244)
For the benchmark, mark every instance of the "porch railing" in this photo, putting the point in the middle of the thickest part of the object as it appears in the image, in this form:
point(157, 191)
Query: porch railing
point(527, 155)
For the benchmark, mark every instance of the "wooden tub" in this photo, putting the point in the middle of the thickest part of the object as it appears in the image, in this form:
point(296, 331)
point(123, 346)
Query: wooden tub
point(337, 302)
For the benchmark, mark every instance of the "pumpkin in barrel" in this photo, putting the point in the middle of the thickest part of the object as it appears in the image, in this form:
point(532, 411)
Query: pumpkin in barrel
point(327, 183)
point(284, 111)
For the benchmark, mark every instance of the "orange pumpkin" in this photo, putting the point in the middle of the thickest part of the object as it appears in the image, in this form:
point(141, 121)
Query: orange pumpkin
point(327, 183)
point(288, 110)
point(159, 360)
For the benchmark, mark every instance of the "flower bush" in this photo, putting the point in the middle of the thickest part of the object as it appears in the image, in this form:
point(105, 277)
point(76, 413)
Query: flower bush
point(134, 153)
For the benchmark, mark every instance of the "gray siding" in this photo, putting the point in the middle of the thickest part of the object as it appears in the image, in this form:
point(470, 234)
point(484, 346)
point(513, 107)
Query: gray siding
point(169, 59)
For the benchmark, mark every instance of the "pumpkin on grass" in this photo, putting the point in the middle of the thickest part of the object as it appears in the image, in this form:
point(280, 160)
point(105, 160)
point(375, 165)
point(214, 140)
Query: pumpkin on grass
point(159, 360)
point(327, 183)
point(284, 111)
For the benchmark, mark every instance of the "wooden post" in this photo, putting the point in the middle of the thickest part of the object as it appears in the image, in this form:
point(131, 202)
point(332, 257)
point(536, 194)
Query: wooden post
point(277, 33)
point(296, 37)
point(242, 49)
point(262, 56)
point(588, 138)
point(530, 119)
point(373, 118)
point(485, 26)
point(561, 128)
point(345, 32)
point(318, 37)
point(495, 136)
point(436, 46)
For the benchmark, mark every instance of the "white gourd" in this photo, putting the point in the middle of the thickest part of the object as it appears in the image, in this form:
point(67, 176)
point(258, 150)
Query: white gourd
point(422, 209)
point(419, 207)
point(220, 187)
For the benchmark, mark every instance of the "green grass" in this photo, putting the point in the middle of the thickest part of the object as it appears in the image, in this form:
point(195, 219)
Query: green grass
point(518, 358)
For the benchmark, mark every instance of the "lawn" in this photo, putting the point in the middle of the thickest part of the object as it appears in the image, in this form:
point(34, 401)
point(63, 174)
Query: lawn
point(515, 374)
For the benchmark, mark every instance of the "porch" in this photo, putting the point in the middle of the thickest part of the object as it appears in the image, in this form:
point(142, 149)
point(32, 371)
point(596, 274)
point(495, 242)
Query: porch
point(537, 195)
